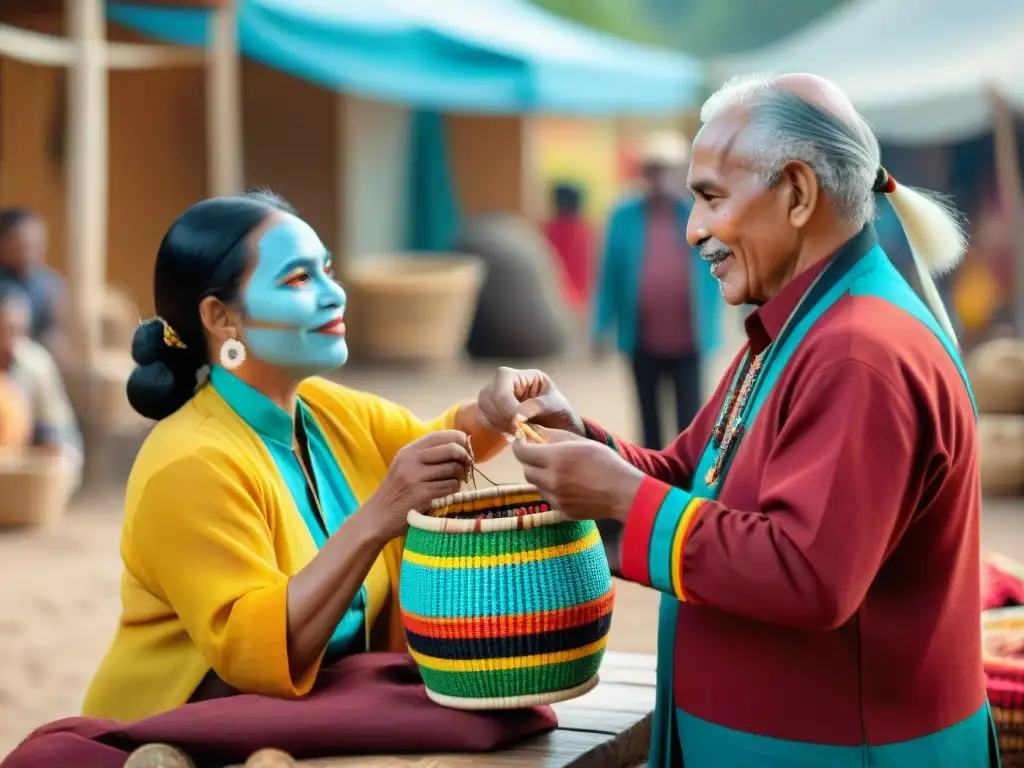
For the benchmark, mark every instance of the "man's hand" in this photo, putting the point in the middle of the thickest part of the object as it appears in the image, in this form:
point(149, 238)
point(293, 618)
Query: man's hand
point(525, 396)
point(581, 478)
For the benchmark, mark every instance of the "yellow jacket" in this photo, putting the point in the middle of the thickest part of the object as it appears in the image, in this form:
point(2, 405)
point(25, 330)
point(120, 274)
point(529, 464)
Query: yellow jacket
point(211, 536)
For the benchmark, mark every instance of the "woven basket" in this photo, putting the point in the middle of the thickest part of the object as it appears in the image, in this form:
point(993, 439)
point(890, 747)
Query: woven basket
point(34, 488)
point(411, 309)
point(506, 603)
point(1003, 632)
point(996, 370)
point(1001, 451)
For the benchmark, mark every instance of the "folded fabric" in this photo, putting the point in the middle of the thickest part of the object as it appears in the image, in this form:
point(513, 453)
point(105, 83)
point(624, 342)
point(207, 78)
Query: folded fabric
point(371, 703)
point(1001, 583)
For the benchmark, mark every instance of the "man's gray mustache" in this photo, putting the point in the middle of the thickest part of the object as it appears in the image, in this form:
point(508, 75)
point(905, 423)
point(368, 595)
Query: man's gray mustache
point(713, 249)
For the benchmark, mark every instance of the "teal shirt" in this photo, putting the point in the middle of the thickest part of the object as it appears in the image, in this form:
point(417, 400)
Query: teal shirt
point(337, 502)
point(616, 300)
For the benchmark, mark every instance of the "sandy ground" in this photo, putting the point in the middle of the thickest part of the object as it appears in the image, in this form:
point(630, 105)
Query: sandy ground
point(59, 598)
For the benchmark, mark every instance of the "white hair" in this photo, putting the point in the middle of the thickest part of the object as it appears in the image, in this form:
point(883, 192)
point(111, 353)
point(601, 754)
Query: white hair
point(846, 159)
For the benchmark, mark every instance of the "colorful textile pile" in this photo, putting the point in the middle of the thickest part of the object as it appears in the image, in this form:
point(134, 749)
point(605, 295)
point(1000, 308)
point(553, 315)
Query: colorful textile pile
point(1003, 638)
point(1002, 583)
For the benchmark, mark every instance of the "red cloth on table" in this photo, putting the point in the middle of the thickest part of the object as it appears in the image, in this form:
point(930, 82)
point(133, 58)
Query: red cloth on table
point(370, 703)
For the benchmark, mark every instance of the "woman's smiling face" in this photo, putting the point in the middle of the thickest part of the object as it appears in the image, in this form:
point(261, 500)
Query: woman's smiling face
point(293, 309)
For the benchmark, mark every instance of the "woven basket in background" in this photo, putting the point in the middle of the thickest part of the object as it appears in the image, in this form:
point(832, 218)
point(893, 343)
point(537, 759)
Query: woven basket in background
point(996, 371)
point(413, 308)
point(506, 603)
point(1001, 449)
point(34, 488)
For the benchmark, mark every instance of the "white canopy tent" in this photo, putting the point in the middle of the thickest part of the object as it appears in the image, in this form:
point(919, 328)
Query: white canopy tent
point(918, 70)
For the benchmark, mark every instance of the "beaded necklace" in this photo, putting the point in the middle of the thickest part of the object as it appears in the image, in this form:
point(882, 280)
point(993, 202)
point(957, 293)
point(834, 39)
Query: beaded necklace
point(730, 428)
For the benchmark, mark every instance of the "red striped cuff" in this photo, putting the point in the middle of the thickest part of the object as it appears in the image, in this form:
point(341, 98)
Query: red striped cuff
point(636, 537)
point(598, 433)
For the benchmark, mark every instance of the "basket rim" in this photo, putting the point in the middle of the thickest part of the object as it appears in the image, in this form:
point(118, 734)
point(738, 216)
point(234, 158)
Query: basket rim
point(513, 702)
point(448, 525)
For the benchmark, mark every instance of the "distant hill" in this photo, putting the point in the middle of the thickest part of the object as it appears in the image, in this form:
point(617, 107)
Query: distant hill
point(702, 28)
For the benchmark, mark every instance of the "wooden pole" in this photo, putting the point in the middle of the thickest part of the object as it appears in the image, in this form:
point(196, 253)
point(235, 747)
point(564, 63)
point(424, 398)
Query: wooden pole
point(87, 183)
point(342, 256)
point(532, 195)
point(1011, 194)
point(224, 104)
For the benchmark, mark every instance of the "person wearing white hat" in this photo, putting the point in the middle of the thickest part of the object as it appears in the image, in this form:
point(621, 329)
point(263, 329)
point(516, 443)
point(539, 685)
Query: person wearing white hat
point(654, 294)
point(662, 306)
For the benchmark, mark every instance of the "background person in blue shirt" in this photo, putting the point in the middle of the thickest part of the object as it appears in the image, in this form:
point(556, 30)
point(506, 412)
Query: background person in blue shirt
point(656, 296)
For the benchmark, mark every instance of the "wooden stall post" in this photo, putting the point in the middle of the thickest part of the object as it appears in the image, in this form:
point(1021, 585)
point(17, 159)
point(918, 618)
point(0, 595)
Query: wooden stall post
point(1011, 194)
point(224, 103)
point(87, 174)
point(87, 201)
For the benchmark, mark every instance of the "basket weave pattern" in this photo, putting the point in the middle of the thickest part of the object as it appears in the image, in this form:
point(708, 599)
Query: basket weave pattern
point(506, 603)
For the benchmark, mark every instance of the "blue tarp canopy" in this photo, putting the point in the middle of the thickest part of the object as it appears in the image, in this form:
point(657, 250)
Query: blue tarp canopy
point(498, 56)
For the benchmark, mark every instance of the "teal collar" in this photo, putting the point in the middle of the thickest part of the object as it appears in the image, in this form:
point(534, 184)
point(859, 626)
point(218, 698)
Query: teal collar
point(257, 410)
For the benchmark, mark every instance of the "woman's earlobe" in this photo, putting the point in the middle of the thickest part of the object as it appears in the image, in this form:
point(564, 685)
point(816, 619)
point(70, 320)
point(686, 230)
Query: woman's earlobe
point(217, 319)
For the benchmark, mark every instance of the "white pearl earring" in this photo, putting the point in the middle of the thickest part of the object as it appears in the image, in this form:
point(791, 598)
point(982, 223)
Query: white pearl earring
point(232, 354)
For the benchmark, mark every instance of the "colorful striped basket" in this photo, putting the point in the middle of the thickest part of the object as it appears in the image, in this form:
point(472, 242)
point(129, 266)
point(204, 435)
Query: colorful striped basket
point(506, 603)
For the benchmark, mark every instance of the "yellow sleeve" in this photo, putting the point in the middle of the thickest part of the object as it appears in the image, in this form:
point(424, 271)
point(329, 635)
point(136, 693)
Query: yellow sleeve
point(394, 426)
point(200, 537)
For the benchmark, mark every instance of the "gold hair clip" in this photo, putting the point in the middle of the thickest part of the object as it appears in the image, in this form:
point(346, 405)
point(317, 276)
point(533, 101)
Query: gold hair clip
point(171, 337)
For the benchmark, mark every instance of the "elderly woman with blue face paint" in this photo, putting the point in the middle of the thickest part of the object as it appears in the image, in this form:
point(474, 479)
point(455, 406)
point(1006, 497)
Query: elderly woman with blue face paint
point(264, 513)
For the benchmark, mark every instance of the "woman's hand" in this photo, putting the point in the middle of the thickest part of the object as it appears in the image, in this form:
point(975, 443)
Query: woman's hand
point(426, 469)
point(529, 395)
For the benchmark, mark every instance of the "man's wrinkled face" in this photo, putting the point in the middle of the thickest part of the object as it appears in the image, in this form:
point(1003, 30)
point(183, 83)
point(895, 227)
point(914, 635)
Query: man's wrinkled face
point(293, 307)
point(741, 227)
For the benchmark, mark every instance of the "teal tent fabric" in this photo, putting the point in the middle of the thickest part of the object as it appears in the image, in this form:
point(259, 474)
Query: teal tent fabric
point(497, 56)
point(433, 211)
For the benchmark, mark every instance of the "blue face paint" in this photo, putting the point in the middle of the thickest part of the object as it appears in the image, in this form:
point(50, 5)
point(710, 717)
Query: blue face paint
point(291, 300)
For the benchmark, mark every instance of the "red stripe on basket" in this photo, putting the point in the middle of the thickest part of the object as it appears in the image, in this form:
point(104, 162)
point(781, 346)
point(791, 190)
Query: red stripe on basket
point(510, 626)
point(636, 536)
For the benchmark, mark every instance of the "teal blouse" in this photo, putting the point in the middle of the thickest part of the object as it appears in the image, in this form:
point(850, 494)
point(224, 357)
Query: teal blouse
point(277, 430)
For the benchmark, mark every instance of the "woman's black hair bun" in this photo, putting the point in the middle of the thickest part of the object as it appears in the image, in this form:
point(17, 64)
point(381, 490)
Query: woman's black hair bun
point(165, 377)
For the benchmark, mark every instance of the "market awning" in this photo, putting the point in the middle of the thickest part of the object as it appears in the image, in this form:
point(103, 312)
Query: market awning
point(460, 55)
point(918, 70)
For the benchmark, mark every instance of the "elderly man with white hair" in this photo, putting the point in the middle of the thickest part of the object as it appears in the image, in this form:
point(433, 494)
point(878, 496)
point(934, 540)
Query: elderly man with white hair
point(815, 530)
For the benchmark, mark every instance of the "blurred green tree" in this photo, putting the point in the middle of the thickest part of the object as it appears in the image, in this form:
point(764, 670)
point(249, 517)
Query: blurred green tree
point(703, 28)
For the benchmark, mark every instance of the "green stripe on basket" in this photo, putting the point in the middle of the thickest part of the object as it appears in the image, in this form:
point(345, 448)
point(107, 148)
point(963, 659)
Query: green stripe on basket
point(505, 683)
point(496, 542)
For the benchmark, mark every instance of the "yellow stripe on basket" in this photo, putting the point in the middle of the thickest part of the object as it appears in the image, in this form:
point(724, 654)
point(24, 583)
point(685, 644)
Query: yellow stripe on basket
point(513, 662)
point(592, 539)
point(678, 542)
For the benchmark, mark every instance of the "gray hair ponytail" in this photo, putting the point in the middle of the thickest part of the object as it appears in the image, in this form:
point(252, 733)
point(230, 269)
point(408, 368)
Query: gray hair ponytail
point(846, 160)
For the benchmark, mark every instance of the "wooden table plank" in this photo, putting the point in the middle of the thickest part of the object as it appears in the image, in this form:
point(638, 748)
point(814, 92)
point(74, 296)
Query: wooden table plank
point(561, 748)
point(610, 727)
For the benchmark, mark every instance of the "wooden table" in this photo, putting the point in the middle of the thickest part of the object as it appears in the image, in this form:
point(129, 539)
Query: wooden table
point(610, 727)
